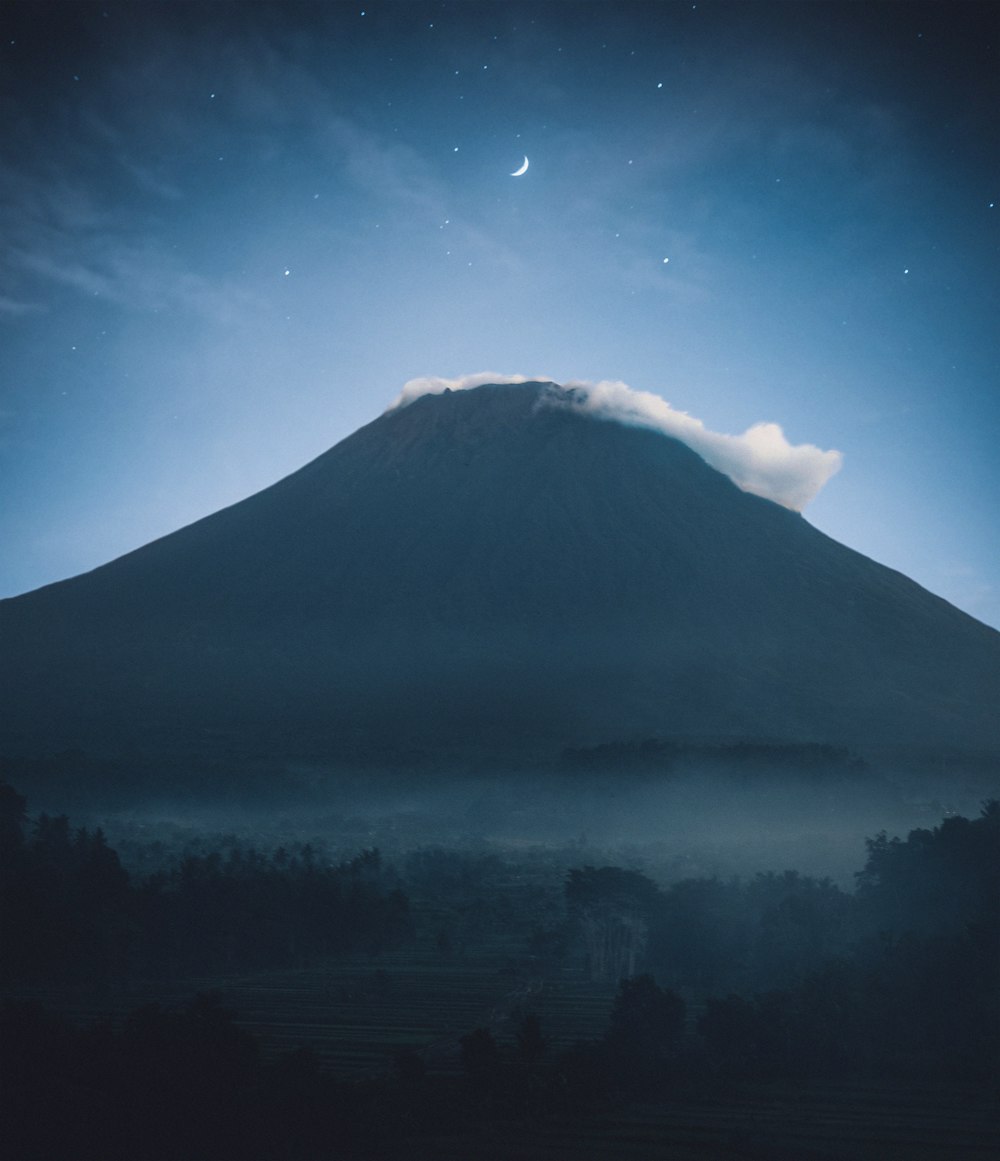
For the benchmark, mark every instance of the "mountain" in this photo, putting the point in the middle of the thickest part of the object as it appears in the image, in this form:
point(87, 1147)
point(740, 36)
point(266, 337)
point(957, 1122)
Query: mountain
point(481, 571)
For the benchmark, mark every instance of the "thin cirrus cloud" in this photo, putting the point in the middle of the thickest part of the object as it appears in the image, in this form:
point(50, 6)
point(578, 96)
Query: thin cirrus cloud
point(57, 239)
point(761, 460)
point(132, 247)
point(138, 277)
point(15, 308)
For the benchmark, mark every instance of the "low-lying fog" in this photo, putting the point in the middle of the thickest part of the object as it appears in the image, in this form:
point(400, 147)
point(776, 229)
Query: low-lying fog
point(692, 822)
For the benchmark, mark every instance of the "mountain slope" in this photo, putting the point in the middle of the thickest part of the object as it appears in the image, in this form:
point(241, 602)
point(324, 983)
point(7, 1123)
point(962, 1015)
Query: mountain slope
point(479, 569)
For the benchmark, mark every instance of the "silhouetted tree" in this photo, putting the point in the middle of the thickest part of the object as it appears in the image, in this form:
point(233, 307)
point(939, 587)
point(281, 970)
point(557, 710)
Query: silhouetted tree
point(409, 1066)
point(531, 1044)
point(480, 1053)
point(645, 1017)
point(645, 1032)
point(798, 923)
point(612, 909)
point(748, 1037)
point(12, 819)
point(69, 911)
point(703, 935)
point(937, 881)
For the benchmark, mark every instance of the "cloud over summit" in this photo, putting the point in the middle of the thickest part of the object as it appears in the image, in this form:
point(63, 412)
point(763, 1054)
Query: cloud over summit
point(761, 460)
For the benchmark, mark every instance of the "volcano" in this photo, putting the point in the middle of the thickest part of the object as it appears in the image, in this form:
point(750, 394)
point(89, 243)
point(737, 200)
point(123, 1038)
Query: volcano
point(482, 570)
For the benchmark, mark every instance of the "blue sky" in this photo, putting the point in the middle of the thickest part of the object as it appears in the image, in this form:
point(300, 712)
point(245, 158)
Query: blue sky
point(233, 231)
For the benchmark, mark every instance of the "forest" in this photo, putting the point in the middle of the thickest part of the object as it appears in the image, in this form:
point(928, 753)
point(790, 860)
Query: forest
point(567, 992)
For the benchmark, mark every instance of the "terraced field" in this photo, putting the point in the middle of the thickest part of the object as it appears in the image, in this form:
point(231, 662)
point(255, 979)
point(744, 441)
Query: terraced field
point(357, 1016)
point(358, 1011)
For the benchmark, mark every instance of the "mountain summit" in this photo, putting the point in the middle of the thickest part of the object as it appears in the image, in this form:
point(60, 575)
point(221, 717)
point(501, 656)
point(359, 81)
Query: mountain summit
point(480, 569)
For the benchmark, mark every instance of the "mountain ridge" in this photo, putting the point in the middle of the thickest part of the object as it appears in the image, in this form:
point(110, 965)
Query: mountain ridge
point(477, 569)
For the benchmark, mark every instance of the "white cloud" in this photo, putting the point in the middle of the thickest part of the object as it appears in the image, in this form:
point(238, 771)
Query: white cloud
point(434, 385)
point(761, 460)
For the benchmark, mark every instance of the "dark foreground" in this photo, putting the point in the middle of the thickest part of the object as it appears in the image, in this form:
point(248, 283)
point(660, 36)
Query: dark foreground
point(212, 1002)
point(850, 1122)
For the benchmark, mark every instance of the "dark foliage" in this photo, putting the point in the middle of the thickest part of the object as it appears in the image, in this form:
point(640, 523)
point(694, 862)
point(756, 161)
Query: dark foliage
point(645, 1033)
point(645, 1018)
point(799, 978)
point(252, 909)
point(531, 1044)
point(65, 904)
point(69, 912)
point(767, 932)
point(167, 1086)
point(664, 753)
point(612, 909)
point(884, 984)
point(480, 1053)
point(937, 881)
point(915, 990)
point(160, 1085)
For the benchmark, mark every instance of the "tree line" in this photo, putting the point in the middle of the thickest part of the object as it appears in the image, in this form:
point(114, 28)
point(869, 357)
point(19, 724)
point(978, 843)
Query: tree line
point(71, 913)
point(792, 976)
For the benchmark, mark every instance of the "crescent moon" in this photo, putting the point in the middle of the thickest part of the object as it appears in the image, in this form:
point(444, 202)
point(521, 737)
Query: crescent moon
point(523, 169)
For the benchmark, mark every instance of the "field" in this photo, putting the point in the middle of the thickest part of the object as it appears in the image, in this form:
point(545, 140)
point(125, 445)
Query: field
point(358, 1012)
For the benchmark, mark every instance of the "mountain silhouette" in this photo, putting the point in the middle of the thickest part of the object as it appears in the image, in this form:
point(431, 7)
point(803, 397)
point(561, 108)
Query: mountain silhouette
point(479, 570)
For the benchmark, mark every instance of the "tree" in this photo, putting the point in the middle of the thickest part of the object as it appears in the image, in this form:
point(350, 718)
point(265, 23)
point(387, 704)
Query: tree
point(481, 1059)
point(936, 882)
point(12, 820)
point(646, 1031)
point(612, 908)
point(531, 1044)
point(703, 935)
point(646, 1017)
point(747, 1037)
point(802, 922)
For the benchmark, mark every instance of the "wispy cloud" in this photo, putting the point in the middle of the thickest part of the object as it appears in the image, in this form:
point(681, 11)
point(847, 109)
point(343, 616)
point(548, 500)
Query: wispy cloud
point(62, 230)
point(14, 308)
point(133, 274)
point(105, 211)
point(761, 460)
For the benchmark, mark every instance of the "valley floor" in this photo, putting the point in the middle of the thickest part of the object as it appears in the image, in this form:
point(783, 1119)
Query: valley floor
point(358, 1012)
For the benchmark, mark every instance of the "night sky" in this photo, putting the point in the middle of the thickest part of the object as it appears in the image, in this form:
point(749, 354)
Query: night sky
point(231, 233)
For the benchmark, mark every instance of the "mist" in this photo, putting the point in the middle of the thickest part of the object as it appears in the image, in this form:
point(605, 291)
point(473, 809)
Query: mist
point(717, 811)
